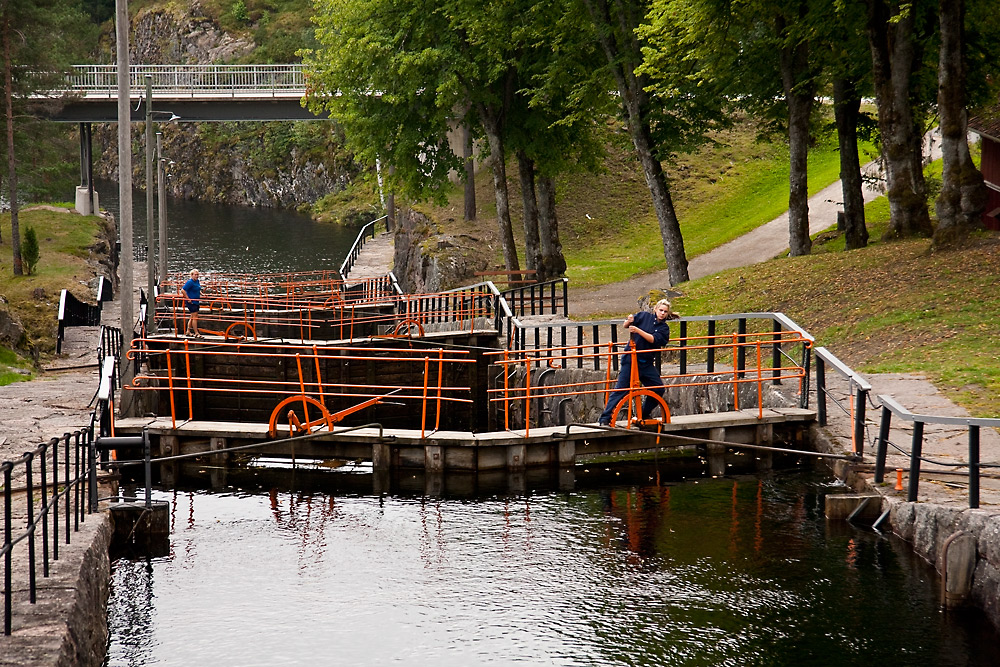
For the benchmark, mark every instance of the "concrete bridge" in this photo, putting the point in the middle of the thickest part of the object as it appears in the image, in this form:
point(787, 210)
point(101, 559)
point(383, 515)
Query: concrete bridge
point(190, 93)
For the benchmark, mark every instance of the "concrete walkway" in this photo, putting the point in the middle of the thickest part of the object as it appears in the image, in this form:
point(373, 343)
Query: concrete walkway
point(374, 260)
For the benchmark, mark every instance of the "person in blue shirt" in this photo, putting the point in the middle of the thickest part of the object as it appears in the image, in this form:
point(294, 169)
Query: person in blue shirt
point(649, 332)
point(192, 295)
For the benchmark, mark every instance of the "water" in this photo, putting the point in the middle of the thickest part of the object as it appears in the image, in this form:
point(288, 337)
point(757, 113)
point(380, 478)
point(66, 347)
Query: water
point(739, 571)
point(237, 239)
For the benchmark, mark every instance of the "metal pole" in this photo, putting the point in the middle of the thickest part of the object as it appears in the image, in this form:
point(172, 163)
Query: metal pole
point(124, 190)
point(916, 449)
point(161, 194)
point(150, 264)
point(973, 466)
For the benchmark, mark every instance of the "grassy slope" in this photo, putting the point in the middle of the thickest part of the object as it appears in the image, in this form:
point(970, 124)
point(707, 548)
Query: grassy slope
point(63, 240)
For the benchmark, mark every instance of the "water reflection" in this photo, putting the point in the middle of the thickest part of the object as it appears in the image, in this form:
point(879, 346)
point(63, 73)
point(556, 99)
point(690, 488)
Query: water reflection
point(724, 571)
point(237, 239)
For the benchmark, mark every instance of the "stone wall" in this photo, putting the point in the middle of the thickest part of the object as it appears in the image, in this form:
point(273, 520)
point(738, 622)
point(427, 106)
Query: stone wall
point(926, 526)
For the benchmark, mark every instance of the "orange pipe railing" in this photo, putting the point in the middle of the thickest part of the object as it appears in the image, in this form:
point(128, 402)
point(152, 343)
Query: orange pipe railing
point(510, 396)
point(301, 386)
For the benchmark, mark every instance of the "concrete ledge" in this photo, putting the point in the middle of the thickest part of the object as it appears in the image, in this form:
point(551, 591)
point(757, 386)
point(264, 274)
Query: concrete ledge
point(68, 623)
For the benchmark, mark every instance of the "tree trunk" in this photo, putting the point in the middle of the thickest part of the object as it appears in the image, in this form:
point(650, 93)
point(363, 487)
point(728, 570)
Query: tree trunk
point(526, 171)
point(498, 165)
point(962, 199)
point(553, 263)
point(894, 60)
point(620, 46)
point(798, 87)
point(390, 205)
point(846, 109)
point(8, 89)
point(470, 173)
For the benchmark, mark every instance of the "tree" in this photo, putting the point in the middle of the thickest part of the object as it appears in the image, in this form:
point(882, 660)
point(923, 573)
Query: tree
point(848, 66)
point(30, 250)
point(616, 24)
point(897, 34)
point(38, 39)
point(399, 75)
point(758, 56)
point(962, 199)
point(387, 79)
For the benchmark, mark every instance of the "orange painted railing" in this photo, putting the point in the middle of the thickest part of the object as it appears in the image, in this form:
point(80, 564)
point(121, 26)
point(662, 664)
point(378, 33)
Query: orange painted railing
point(306, 389)
point(756, 371)
point(244, 316)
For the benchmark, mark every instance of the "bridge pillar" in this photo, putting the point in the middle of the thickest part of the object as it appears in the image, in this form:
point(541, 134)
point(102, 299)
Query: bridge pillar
point(567, 453)
point(84, 204)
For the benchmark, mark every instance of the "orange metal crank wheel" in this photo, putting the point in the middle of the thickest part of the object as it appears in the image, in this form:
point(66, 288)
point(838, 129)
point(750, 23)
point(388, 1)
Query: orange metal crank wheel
point(637, 394)
point(240, 331)
point(298, 415)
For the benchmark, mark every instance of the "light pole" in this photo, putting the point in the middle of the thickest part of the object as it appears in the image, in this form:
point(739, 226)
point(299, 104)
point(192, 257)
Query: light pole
point(153, 271)
point(161, 194)
point(150, 265)
point(126, 370)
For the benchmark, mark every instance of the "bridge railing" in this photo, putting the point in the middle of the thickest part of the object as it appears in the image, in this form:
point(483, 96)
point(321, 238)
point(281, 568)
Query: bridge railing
point(191, 80)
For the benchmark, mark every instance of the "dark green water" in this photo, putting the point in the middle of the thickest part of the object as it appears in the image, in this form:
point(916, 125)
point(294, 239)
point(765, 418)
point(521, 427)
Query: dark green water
point(237, 239)
point(736, 571)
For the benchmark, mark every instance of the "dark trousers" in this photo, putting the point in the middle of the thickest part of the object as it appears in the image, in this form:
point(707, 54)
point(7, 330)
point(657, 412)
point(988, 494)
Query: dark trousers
point(648, 377)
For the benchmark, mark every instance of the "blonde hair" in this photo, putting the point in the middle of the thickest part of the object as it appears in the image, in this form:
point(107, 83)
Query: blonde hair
point(664, 302)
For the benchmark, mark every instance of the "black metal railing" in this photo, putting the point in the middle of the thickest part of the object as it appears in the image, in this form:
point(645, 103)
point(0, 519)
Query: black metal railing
point(63, 495)
point(857, 395)
point(974, 424)
point(368, 231)
point(548, 298)
point(74, 313)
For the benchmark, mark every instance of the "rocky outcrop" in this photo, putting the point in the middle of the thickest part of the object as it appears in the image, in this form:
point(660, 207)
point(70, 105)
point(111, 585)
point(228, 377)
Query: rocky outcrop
point(427, 261)
point(104, 255)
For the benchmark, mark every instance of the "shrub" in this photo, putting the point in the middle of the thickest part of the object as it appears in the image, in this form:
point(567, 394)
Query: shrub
point(29, 250)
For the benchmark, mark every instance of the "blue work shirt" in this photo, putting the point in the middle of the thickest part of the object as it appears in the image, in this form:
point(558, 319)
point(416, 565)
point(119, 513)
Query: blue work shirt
point(647, 321)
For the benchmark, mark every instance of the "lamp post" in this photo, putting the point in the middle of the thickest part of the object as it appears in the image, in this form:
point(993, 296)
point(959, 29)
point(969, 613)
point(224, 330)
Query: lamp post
point(161, 194)
point(126, 370)
point(154, 270)
point(150, 265)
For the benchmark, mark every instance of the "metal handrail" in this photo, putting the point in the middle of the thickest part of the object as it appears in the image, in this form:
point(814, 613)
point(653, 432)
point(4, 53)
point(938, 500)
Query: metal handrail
point(359, 242)
point(190, 80)
point(858, 394)
point(891, 407)
point(77, 493)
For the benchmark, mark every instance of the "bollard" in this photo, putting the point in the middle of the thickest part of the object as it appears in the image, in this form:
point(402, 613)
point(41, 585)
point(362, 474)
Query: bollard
point(899, 479)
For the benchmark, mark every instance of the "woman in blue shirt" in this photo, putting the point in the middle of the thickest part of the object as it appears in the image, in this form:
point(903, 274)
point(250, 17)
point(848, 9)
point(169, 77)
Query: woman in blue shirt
point(649, 332)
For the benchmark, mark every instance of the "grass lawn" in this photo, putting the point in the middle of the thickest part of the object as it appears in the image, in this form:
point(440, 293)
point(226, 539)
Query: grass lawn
point(63, 239)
